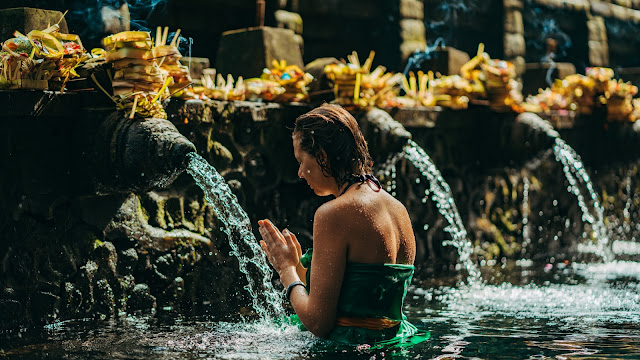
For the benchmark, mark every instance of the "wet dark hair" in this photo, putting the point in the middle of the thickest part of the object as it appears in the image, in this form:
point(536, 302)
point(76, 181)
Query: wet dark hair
point(333, 129)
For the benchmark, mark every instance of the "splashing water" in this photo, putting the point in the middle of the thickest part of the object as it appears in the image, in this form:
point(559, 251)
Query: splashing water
point(441, 194)
point(244, 246)
point(575, 173)
point(526, 236)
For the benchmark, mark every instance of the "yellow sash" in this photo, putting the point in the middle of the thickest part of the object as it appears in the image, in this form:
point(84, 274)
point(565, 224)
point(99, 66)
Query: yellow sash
point(367, 323)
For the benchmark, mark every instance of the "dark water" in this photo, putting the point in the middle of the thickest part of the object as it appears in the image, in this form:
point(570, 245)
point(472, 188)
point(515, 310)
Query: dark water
point(525, 311)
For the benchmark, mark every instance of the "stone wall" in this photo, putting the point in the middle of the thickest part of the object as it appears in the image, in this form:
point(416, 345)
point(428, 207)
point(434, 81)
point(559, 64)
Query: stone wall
point(608, 25)
point(393, 29)
point(72, 247)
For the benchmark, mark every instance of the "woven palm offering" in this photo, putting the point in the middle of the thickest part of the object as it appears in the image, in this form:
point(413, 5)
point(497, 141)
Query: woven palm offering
point(347, 77)
point(258, 89)
point(215, 86)
point(635, 113)
point(291, 78)
point(619, 97)
point(139, 84)
point(378, 86)
point(356, 85)
point(601, 77)
point(168, 57)
point(502, 89)
point(472, 71)
point(545, 100)
point(41, 59)
point(415, 92)
point(579, 90)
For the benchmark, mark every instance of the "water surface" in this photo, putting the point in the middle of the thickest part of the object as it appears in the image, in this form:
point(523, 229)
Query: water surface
point(525, 311)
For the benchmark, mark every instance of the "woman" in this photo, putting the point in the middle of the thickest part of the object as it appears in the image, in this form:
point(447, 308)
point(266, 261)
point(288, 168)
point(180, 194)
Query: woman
point(363, 242)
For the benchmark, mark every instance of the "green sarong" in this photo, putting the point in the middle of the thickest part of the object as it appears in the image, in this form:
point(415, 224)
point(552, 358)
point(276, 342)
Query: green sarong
point(373, 291)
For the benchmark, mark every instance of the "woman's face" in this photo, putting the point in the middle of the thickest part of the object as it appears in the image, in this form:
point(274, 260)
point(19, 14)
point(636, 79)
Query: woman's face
point(310, 170)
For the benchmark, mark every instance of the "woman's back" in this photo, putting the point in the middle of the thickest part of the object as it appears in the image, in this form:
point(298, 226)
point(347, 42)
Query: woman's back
point(375, 226)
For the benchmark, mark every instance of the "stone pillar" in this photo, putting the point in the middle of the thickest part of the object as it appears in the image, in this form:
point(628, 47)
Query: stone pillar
point(392, 28)
point(26, 19)
point(598, 45)
point(514, 44)
point(413, 33)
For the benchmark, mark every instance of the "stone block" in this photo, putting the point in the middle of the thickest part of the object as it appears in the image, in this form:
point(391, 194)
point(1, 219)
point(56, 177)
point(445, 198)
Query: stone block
point(597, 29)
point(598, 53)
point(446, 61)
point(513, 4)
point(348, 9)
point(625, 3)
point(514, 45)
point(412, 29)
point(289, 20)
point(25, 19)
point(412, 9)
point(247, 52)
point(577, 5)
point(601, 8)
point(513, 21)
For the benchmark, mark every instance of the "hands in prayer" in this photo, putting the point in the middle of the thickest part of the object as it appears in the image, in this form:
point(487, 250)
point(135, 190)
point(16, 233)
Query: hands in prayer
point(282, 248)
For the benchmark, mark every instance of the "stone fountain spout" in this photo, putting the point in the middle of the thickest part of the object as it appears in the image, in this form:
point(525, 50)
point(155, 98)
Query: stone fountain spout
point(139, 154)
point(538, 132)
point(384, 134)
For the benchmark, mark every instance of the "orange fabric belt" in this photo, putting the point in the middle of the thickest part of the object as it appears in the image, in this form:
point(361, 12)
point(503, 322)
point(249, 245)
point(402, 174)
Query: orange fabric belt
point(367, 323)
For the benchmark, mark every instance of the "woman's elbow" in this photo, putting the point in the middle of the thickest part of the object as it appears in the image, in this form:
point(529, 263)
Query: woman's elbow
point(319, 324)
point(320, 329)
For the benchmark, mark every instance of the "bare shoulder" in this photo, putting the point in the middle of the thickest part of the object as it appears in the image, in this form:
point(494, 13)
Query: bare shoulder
point(336, 209)
point(354, 206)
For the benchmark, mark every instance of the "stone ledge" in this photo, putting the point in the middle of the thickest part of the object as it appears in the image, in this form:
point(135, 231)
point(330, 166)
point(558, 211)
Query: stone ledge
point(199, 111)
point(51, 103)
point(601, 8)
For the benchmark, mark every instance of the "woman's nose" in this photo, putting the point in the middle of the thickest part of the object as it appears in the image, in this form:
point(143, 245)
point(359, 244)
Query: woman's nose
point(300, 175)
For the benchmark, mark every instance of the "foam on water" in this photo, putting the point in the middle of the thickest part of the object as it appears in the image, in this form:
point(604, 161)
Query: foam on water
point(574, 304)
point(609, 271)
point(245, 341)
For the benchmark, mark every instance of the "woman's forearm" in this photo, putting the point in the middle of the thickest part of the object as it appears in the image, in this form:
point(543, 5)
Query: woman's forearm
point(312, 320)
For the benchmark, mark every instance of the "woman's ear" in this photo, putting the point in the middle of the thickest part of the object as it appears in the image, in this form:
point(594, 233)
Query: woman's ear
point(325, 158)
point(323, 161)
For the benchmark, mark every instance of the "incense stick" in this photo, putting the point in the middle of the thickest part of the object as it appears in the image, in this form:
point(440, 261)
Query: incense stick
point(63, 15)
point(133, 108)
point(165, 35)
point(176, 36)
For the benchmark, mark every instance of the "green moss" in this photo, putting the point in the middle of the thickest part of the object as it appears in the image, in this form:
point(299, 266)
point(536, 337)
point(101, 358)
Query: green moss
point(97, 243)
point(141, 210)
